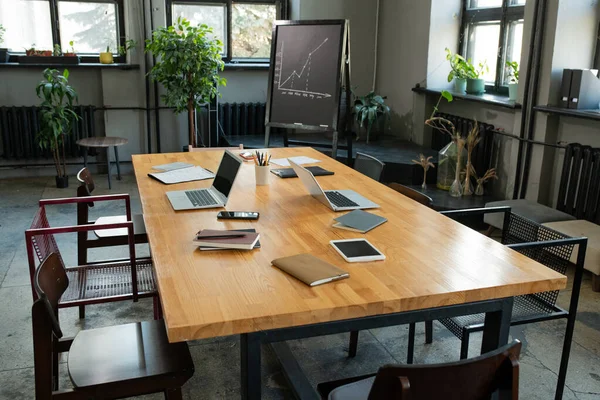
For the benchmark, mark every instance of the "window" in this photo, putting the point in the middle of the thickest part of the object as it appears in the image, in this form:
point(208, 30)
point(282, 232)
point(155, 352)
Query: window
point(92, 25)
point(492, 31)
point(244, 26)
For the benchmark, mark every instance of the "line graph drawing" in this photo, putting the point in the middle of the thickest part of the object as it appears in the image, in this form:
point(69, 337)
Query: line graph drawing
point(290, 85)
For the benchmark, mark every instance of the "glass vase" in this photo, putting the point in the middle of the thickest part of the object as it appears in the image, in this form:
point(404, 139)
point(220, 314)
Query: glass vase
point(479, 190)
point(467, 185)
point(447, 162)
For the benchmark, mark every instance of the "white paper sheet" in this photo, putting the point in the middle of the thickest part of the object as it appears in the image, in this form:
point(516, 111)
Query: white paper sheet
point(298, 160)
point(183, 175)
point(173, 166)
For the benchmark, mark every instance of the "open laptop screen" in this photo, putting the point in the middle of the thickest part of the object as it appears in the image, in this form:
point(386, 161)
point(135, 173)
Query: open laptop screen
point(228, 169)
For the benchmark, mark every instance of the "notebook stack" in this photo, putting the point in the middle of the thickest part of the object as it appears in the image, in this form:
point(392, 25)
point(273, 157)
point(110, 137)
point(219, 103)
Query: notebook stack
point(242, 239)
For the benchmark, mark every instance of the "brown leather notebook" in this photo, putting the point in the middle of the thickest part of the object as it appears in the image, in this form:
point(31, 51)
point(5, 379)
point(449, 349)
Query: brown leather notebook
point(309, 269)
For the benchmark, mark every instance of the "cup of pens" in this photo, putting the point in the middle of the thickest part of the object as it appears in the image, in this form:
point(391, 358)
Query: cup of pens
point(261, 168)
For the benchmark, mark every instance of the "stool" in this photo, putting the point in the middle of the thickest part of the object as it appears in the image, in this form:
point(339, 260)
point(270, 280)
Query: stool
point(107, 142)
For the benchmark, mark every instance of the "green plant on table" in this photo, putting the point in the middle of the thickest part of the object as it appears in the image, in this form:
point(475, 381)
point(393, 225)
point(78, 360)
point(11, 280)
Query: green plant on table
point(129, 44)
point(461, 67)
point(513, 71)
point(368, 108)
point(189, 59)
point(56, 115)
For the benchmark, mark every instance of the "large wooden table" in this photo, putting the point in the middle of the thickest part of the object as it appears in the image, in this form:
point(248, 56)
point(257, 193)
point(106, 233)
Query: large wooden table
point(435, 267)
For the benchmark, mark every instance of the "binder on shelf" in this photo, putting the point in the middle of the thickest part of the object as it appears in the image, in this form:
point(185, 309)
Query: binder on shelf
point(565, 89)
point(585, 90)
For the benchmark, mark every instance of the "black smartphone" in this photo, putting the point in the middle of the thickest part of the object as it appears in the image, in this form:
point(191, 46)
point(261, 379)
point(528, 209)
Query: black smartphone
point(237, 215)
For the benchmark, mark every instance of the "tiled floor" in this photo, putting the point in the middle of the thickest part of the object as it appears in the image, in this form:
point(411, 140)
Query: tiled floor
point(217, 360)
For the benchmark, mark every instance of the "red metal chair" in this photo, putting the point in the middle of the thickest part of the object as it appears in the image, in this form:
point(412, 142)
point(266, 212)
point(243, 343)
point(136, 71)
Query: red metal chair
point(97, 282)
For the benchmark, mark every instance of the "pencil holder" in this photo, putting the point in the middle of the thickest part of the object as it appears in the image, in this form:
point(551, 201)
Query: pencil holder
point(262, 175)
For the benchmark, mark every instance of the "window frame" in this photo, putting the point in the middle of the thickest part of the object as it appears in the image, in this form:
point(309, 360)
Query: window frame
point(87, 58)
point(281, 13)
point(506, 14)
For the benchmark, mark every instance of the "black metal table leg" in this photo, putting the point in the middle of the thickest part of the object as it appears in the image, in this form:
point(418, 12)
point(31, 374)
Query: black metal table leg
point(85, 155)
point(299, 383)
point(250, 368)
point(497, 327)
point(108, 166)
point(118, 166)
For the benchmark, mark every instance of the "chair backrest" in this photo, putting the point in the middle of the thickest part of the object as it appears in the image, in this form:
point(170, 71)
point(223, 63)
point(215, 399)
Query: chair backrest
point(50, 283)
point(413, 194)
point(41, 244)
point(472, 379)
point(554, 256)
point(196, 149)
point(368, 165)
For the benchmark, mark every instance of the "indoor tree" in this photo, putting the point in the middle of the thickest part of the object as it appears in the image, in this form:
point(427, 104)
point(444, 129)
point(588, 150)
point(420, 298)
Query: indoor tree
point(188, 62)
point(56, 118)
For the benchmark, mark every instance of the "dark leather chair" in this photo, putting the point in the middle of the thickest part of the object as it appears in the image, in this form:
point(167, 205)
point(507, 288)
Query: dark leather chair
point(475, 379)
point(106, 363)
point(368, 165)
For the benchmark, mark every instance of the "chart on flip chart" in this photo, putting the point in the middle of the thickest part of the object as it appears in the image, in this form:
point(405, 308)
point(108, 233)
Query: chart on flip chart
point(306, 68)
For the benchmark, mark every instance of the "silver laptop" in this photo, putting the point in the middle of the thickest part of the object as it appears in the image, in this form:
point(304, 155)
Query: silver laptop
point(214, 196)
point(337, 200)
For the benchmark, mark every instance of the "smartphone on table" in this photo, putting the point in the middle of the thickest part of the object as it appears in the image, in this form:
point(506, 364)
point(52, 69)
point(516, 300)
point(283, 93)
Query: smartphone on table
point(251, 215)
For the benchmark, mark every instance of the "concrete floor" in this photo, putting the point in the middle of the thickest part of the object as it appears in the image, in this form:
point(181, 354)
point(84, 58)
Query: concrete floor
point(217, 360)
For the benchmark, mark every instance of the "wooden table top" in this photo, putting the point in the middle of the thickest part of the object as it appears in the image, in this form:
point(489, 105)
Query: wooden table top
point(104, 141)
point(431, 260)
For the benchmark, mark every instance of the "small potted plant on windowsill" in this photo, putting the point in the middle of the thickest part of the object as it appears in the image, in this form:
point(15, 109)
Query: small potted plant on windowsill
point(513, 85)
point(3, 51)
point(129, 45)
point(107, 57)
point(33, 56)
point(56, 117)
point(475, 82)
point(71, 52)
point(460, 71)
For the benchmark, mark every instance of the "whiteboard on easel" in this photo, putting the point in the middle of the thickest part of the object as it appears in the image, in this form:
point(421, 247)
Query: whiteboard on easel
point(307, 60)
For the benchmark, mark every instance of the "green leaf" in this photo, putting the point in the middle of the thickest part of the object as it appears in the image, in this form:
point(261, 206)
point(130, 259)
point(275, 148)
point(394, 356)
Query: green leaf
point(447, 95)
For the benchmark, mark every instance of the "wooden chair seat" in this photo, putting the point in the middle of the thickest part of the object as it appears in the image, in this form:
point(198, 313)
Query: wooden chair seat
point(139, 229)
point(109, 281)
point(138, 352)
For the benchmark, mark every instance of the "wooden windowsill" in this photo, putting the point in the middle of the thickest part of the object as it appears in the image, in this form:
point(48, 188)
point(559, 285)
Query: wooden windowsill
point(486, 98)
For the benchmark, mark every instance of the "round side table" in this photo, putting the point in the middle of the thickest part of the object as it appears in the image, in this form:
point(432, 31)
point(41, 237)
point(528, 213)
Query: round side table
point(107, 142)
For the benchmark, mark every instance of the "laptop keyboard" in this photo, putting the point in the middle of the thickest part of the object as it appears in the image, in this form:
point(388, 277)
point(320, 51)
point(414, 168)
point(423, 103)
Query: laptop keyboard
point(200, 198)
point(339, 200)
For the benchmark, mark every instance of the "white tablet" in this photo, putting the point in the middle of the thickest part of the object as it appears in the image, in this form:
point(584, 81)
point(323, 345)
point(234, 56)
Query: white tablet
point(357, 250)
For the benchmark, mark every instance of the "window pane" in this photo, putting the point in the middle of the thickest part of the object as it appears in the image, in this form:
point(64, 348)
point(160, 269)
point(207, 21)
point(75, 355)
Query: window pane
point(251, 30)
point(27, 23)
point(214, 16)
point(93, 26)
point(518, 2)
point(483, 46)
point(514, 44)
point(485, 3)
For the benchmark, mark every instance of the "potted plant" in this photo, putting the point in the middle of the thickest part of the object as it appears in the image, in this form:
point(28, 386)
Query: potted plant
point(476, 84)
point(106, 57)
point(30, 52)
point(57, 51)
point(56, 117)
point(460, 71)
point(188, 62)
point(71, 52)
point(129, 44)
point(372, 109)
point(513, 85)
point(3, 51)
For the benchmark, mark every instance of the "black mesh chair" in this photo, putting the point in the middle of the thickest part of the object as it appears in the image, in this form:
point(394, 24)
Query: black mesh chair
point(544, 245)
point(368, 165)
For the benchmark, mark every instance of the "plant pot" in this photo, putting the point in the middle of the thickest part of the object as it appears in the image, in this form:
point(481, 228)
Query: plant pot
point(46, 53)
point(49, 60)
point(106, 58)
point(62, 182)
point(475, 86)
point(513, 91)
point(4, 56)
point(70, 55)
point(460, 85)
